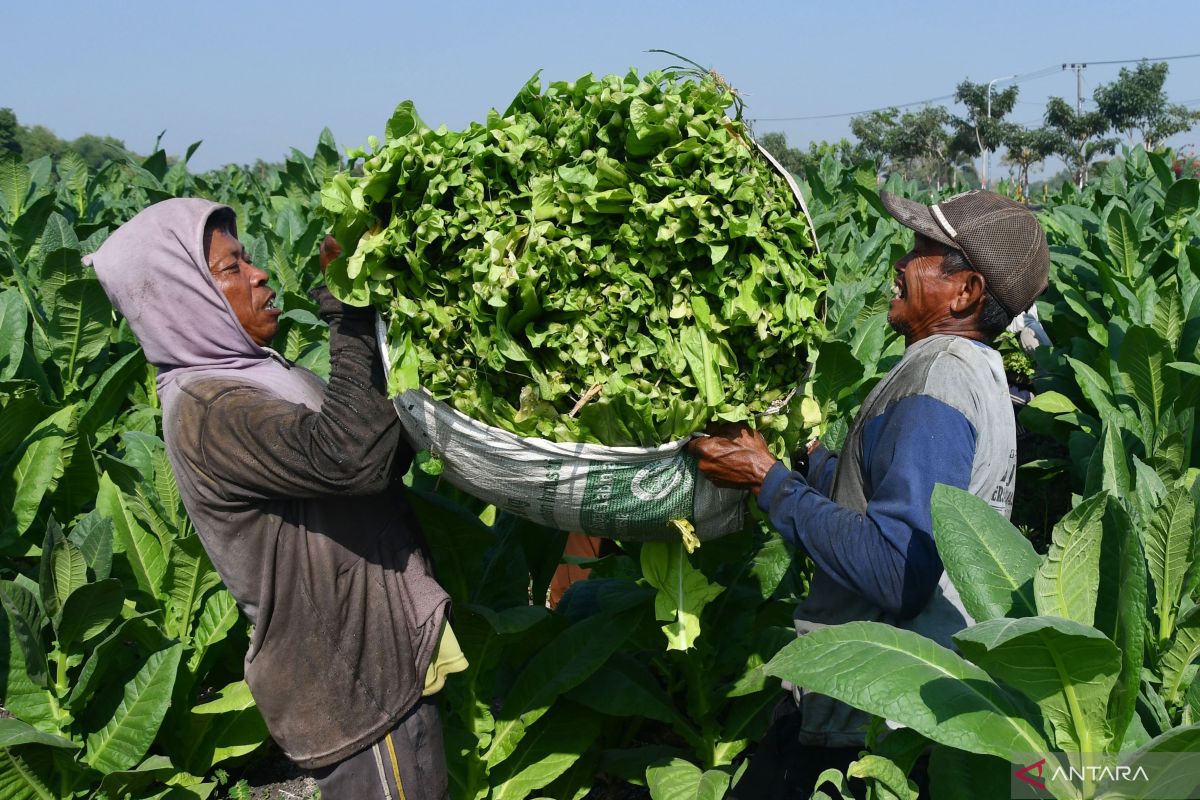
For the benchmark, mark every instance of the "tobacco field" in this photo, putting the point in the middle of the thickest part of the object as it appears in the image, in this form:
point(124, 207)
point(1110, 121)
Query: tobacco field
point(121, 652)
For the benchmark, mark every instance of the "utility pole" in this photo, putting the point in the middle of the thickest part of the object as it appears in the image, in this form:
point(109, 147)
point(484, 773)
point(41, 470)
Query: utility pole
point(987, 163)
point(1079, 68)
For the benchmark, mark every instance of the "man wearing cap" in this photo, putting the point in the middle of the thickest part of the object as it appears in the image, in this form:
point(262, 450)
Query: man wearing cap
point(942, 415)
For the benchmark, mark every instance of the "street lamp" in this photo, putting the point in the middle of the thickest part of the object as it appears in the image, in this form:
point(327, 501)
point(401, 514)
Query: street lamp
point(987, 165)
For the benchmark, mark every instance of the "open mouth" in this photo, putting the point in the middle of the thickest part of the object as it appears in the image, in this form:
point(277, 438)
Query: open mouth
point(270, 305)
point(897, 289)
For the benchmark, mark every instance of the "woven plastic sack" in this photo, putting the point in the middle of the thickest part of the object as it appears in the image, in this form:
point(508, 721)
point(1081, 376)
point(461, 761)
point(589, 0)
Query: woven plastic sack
point(628, 493)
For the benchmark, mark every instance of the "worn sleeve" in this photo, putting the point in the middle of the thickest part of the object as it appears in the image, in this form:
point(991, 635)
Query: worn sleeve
point(887, 554)
point(822, 466)
point(260, 445)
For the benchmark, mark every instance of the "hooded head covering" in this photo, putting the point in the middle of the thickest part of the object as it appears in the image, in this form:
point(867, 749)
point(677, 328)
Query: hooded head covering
point(154, 270)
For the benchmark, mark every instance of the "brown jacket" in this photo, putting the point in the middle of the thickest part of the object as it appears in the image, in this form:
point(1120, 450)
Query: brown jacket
point(305, 519)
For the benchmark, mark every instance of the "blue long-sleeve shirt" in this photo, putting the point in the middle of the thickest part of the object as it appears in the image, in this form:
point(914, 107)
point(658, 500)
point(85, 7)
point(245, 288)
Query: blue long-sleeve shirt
point(887, 554)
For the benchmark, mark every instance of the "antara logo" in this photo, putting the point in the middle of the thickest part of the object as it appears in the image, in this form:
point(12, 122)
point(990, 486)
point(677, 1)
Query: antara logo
point(1027, 774)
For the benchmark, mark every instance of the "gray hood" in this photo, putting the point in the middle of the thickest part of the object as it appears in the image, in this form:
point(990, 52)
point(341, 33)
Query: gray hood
point(154, 271)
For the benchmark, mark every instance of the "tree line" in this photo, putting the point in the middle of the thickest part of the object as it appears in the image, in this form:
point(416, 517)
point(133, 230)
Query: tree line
point(938, 148)
point(31, 142)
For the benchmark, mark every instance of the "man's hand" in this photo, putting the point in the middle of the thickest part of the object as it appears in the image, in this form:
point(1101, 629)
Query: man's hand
point(733, 456)
point(330, 250)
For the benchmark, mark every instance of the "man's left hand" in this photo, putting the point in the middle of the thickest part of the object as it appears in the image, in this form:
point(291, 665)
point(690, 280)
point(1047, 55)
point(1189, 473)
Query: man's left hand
point(733, 456)
point(330, 250)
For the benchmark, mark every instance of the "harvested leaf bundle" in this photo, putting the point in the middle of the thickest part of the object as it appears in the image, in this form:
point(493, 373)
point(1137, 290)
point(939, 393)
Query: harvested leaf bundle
point(615, 240)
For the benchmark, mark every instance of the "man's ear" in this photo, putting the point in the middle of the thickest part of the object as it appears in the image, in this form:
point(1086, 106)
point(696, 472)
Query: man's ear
point(970, 294)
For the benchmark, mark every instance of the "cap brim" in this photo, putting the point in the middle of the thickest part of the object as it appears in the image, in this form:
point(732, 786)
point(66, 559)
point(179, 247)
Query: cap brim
point(917, 217)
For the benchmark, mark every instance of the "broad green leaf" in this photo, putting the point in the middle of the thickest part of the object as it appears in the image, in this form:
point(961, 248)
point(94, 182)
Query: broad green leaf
point(106, 397)
point(561, 665)
point(62, 570)
point(1149, 489)
point(1184, 649)
point(1068, 669)
point(682, 591)
point(128, 733)
point(109, 657)
point(1170, 764)
point(1123, 240)
point(904, 677)
point(218, 615)
point(1170, 547)
point(1170, 316)
point(142, 552)
point(79, 326)
point(625, 688)
point(93, 535)
point(231, 735)
point(14, 320)
point(14, 732)
point(1067, 582)
point(1121, 615)
point(683, 780)
point(20, 777)
point(1108, 468)
point(132, 781)
point(188, 577)
point(1143, 356)
point(990, 563)
point(1193, 702)
point(1095, 389)
point(511, 621)
point(234, 697)
point(26, 621)
point(886, 777)
point(1182, 199)
point(21, 414)
point(88, 611)
point(547, 751)
point(23, 696)
point(1053, 403)
point(15, 183)
point(41, 465)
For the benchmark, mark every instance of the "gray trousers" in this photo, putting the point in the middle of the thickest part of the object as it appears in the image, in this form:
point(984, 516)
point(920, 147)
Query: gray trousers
point(409, 763)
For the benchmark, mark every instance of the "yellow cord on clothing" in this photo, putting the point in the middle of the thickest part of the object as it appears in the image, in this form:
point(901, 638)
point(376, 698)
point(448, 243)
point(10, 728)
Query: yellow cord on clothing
point(395, 766)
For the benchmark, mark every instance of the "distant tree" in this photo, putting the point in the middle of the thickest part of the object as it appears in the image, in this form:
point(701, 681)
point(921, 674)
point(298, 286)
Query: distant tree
point(790, 158)
point(38, 141)
point(1135, 103)
point(95, 150)
point(842, 150)
point(917, 144)
point(1079, 137)
point(921, 142)
point(978, 131)
point(876, 134)
point(10, 132)
point(1026, 147)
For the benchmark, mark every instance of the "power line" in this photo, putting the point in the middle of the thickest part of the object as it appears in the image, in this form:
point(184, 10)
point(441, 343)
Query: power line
point(854, 113)
point(1027, 76)
point(1139, 60)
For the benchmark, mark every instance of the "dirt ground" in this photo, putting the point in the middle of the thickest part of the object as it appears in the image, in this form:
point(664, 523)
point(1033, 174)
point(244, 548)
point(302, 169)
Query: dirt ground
point(275, 778)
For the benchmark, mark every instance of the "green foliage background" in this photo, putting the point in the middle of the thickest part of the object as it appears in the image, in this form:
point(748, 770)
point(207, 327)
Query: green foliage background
point(120, 652)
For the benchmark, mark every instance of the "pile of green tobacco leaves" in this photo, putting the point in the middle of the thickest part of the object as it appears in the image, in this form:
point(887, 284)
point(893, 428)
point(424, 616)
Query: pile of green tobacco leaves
point(616, 240)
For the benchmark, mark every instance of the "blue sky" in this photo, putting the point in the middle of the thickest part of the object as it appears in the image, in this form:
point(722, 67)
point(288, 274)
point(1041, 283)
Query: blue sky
point(254, 78)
